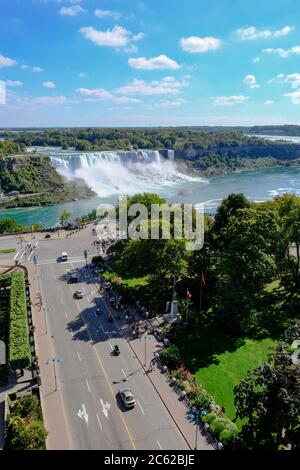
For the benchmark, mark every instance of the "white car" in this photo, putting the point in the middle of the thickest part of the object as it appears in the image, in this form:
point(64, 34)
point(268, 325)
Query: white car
point(79, 294)
point(64, 256)
point(127, 398)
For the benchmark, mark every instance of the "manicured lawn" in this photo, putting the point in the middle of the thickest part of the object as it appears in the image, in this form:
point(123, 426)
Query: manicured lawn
point(220, 362)
point(220, 379)
point(8, 250)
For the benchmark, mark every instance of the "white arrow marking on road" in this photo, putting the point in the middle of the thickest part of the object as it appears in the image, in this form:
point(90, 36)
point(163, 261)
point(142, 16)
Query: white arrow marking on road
point(83, 414)
point(105, 408)
point(16, 255)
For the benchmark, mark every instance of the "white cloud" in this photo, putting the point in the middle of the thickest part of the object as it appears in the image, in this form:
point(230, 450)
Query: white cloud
point(47, 100)
point(229, 100)
point(82, 75)
point(268, 102)
point(256, 60)
point(71, 11)
point(294, 96)
point(161, 62)
point(284, 31)
point(250, 81)
point(166, 86)
point(116, 37)
point(24, 67)
point(49, 85)
point(13, 83)
point(292, 79)
point(108, 14)
point(284, 53)
point(251, 33)
point(195, 44)
point(170, 103)
point(37, 69)
point(92, 94)
point(6, 61)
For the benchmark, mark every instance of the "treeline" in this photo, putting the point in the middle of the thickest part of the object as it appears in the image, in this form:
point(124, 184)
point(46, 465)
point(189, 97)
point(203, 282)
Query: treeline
point(125, 139)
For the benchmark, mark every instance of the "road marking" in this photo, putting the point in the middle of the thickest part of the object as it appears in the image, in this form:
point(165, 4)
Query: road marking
point(16, 255)
point(102, 328)
point(88, 299)
point(140, 407)
point(66, 315)
point(99, 421)
point(83, 414)
point(105, 408)
point(88, 385)
point(124, 374)
point(159, 445)
point(78, 356)
point(108, 382)
point(30, 256)
point(110, 345)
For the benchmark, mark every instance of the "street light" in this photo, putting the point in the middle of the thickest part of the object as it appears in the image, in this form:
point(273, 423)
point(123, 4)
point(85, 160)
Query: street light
point(54, 361)
point(195, 412)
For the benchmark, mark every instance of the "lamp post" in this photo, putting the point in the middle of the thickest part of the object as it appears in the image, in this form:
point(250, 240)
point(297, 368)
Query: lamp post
point(195, 411)
point(55, 360)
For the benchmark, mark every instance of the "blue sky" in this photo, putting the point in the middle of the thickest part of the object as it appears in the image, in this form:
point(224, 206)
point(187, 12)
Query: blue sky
point(149, 63)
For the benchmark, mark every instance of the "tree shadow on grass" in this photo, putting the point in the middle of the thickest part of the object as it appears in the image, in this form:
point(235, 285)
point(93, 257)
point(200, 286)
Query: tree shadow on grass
point(200, 348)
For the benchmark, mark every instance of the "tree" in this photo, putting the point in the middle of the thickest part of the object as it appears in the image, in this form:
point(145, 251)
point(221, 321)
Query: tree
point(226, 210)
point(269, 400)
point(246, 265)
point(63, 217)
point(290, 239)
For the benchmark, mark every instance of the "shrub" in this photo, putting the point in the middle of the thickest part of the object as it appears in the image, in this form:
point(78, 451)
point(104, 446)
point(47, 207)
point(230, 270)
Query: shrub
point(220, 425)
point(18, 344)
point(170, 357)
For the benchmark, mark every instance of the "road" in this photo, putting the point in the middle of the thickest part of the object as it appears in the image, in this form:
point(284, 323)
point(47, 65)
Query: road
point(88, 375)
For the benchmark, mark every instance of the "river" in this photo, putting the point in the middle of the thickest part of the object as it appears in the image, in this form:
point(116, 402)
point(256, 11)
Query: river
point(147, 173)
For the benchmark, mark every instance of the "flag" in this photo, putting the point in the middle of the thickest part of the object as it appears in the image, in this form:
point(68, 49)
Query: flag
point(188, 294)
point(202, 279)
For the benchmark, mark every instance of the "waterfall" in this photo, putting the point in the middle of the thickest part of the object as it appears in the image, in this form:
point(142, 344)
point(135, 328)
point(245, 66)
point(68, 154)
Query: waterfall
point(119, 171)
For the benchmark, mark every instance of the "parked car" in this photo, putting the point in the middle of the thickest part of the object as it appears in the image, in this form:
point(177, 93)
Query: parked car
point(79, 294)
point(127, 398)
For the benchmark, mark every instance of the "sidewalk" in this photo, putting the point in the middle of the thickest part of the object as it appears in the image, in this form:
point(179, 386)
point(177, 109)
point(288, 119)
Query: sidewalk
point(53, 411)
point(175, 406)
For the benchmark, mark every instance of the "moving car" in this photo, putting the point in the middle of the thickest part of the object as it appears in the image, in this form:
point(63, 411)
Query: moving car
point(79, 294)
point(64, 256)
point(127, 398)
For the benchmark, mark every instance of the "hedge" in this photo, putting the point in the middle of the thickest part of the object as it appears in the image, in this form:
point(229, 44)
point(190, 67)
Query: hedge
point(18, 344)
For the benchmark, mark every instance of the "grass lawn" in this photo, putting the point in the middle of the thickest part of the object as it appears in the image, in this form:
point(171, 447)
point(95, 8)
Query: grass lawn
point(8, 250)
point(220, 362)
point(220, 379)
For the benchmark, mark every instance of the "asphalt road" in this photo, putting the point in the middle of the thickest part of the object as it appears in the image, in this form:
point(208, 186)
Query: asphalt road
point(89, 376)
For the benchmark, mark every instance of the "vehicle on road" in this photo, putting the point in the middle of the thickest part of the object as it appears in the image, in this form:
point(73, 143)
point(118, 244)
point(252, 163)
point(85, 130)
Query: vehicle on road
point(64, 256)
point(127, 397)
point(116, 350)
point(79, 294)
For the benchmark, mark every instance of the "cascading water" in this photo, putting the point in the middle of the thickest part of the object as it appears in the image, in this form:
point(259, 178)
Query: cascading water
point(119, 172)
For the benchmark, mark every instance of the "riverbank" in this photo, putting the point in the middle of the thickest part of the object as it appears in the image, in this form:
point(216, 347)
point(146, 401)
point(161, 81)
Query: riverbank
point(258, 185)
